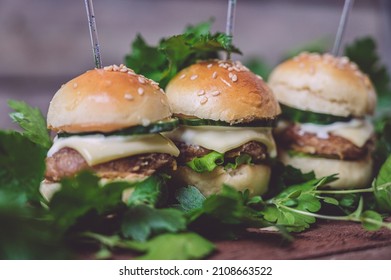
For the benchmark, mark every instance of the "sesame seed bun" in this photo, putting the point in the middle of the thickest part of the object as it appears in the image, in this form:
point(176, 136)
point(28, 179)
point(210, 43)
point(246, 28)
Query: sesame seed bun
point(106, 100)
point(255, 178)
point(352, 174)
point(323, 84)
point(221, 90)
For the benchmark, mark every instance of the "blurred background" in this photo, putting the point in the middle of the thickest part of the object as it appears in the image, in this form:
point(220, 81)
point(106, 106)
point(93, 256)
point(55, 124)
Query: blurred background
point(45, 43)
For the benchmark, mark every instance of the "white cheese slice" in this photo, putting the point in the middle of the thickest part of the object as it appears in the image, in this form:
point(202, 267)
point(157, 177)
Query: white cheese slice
point(224, 138)
point(99, 149)
point(357, 131)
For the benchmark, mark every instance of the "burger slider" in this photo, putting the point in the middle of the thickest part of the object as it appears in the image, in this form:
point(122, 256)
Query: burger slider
point(226, 115)
point(109, 121)
point(326, 101)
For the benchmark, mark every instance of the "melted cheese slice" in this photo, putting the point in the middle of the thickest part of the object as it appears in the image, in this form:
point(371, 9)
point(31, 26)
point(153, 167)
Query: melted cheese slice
point(356, 131)
point(223, 138)
point(99, 149)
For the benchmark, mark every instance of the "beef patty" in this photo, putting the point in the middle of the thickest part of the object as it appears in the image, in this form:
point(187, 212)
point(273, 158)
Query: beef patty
point(332, 147)
point(256, 150)
point(67, 162)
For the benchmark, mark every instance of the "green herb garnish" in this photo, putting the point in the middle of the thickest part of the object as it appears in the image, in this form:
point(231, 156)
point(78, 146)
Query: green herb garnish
point(162, 62)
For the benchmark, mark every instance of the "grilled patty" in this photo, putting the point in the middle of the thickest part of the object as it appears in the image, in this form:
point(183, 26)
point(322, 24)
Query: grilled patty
point(67, 162)
point(256, 150)
point(332, 147)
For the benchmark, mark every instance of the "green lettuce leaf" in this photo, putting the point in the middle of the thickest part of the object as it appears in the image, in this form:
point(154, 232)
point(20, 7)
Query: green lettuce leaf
point(239, 160)
point(207, 162)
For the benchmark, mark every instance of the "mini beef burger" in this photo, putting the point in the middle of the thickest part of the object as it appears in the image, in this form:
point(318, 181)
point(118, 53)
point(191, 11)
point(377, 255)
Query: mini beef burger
point(325, 101)
point(109, 121)
point(226, 113)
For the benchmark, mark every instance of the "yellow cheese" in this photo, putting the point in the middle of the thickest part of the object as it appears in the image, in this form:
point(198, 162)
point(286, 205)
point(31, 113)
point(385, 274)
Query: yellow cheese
point(356, 131)
point(224, 138)
point(99, 149)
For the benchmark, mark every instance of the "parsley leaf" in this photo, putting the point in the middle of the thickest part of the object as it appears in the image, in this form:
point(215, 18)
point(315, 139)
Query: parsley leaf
point(284, 209)
point(168, 246)
point(147, 60)
point(382, 187)
point(32, 121)
point(182, 246)
point(82, 194)
point(189, 198)
point(149, 191)
point(21, 165)
point(140, 221)
point(364, 53)
point(162, 62)
point(225, 214)
point(26, 235)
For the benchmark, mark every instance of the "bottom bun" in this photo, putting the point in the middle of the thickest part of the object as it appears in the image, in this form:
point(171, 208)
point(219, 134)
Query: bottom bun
point(48, 189)
point(352, 174)
point(255, 178)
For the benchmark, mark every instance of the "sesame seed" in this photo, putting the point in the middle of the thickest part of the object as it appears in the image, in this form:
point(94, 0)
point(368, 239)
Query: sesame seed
point(145, 122)
point(131, 72)
point(108, 68)
point(182, 76)
point(115, 67)
point(344, 60)
point(225, 82)
point(234, 78)
point(315, 56)
point(209, 66)
point(193, 77)
point(123, 70)
point(128, 96)
point(259, 77)
point(214, 75)
point(215, 93)
point(141, 80)
point(230, 68)
point(201, 92)
point(203, 100)
point(75, 85)
point(353, 66)
point(140, 91)
point(230, 75)
point(162, 91)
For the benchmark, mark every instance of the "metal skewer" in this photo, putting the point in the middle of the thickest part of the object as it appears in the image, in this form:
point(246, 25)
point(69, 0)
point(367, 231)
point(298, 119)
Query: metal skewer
point(230, 22)
point(342, 26)
point(93, 33)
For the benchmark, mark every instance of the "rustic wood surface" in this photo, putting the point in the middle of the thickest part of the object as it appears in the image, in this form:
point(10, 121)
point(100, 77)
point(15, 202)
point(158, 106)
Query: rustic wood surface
point(326, 240)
